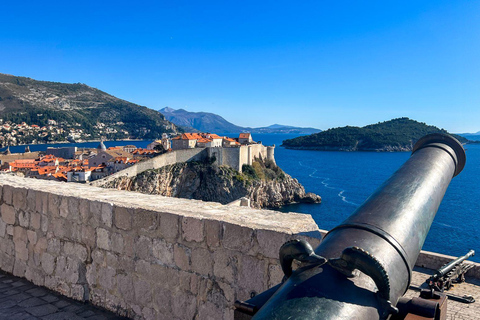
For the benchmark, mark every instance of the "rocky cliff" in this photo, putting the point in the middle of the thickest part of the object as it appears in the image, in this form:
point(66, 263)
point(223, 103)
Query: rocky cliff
point(265, 184)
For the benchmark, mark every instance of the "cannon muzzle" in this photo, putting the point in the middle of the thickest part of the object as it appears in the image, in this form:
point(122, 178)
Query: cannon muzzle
point(364, 265)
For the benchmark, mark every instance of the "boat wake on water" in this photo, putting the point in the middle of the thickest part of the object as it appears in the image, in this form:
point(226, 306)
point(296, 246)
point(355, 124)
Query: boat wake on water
point(326, 185)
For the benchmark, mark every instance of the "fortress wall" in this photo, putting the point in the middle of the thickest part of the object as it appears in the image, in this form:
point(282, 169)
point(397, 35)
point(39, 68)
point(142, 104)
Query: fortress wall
point(173, 157)
point(143, 256)
point(243, 159)
point(231, 157)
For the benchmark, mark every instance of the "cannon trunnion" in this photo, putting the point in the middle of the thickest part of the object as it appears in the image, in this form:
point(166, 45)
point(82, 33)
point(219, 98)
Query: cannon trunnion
point(364, 266)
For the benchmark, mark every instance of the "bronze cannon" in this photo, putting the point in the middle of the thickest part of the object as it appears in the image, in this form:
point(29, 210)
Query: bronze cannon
point(364, 265)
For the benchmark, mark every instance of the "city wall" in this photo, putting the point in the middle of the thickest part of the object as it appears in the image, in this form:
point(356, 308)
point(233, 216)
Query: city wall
point(146, 256)
point(184, 155)
point(232, 157)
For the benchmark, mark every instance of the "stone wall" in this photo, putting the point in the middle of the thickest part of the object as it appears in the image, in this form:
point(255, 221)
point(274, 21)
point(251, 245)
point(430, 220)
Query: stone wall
point(143, 256)
point(146, 256)
point(183, 155)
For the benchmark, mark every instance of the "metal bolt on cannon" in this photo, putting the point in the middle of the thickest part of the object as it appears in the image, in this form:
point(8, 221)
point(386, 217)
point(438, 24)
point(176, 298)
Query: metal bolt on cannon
point(364, 266)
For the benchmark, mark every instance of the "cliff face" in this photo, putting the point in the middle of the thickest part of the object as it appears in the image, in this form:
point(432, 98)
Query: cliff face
point(204, 181)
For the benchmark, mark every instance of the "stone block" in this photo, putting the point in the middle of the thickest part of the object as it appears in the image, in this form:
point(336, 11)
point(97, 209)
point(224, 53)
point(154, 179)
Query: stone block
point(84, 208)
point(129, 245)
point(24, 219)
point(41, 202)
point(41, 245)
point(202, 262)
point(44, 223)
point(35, 221)
point(54, 246)
point(88, 236)
point(78, 292)
point(225, 264)
point(107, 214)
point(112, 260)
point(8, 194)
point(229, 292)
point(60, 228)
point(19, 268)
point(91, 275)
point(103, 239)
point(213, 233)
point(123, 218)
point(7, 262)
point(73, 209)
point(270, 242)
point(75, 250)
point(163, 251)
point(31, 200)
point(143, 292)
point(53, 205)
point(181, 255)
point(252, 274)
point(162, 302)
point(8, 247)
point(143, 269)
point(145, 221)
point(165, 276)
point(237, 237)
point(125, 287)
point(8, 213)
point(184, 306)
point(149, 314)
point(19, 234)
point(117, 243)
point(32, 236)
point(10, 230)
point(126, 264)
point(275, 274)
point(192, 229)
point(169, 226)
point(35, 276)
point(19, 198)
point(106, 278)
point(143, 248)
point(95, 214)
point(63, 207)
point(209, 310)
point(3, 228)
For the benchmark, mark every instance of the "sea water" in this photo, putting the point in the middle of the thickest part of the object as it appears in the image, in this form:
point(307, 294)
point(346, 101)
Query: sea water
point(344, 180)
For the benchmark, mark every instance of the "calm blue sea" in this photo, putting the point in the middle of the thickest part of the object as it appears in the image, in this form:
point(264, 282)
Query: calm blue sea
point(346, 179)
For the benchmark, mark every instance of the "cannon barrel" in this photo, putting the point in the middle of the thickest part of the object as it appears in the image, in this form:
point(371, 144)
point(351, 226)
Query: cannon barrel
point(449, 266)
point(364, 265)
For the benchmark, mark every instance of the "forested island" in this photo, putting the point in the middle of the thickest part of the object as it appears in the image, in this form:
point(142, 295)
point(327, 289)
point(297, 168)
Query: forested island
point(394, 135)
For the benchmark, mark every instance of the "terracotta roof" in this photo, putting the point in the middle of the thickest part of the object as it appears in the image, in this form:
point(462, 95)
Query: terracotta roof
point(244, 135)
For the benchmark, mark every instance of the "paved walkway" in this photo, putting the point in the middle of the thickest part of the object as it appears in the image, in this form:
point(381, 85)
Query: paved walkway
point(22, 300)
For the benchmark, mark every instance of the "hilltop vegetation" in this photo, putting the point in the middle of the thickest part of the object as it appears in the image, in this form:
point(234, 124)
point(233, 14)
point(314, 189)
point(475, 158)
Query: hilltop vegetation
point(394, 135)
point(77, 105)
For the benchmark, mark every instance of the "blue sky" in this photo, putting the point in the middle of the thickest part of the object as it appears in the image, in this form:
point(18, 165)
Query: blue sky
point(306, 63)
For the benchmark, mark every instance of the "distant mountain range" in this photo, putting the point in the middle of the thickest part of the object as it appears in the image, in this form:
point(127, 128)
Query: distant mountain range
point(393, 135)
point(76, 107)
point(210, 122)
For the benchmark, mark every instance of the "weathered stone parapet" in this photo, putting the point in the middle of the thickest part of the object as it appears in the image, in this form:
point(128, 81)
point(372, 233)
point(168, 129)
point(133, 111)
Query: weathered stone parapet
point(144, 256)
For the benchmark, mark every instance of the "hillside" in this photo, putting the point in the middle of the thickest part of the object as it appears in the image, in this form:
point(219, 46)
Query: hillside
point(210, 122)
point(75, 108)
point(394, 135)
